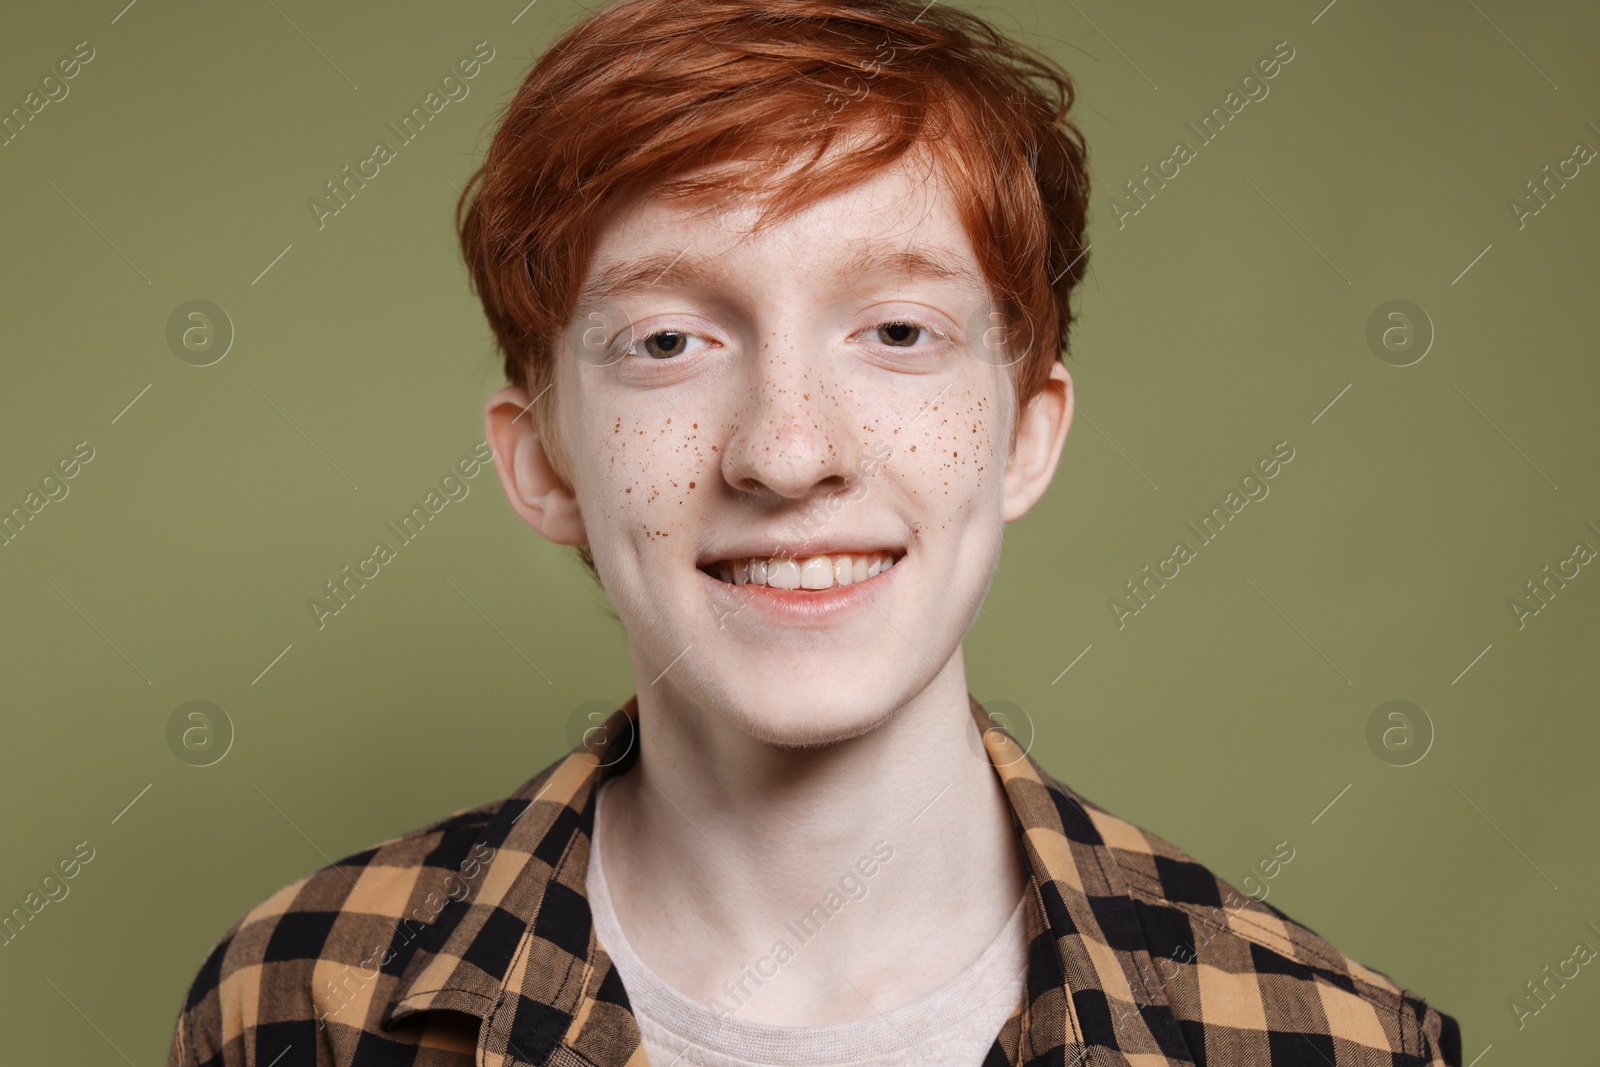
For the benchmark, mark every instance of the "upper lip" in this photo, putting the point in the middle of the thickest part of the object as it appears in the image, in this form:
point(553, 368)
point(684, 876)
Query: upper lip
point(853, 547)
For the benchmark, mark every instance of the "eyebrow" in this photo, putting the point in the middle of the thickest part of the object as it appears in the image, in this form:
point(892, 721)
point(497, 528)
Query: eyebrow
point(665, 269)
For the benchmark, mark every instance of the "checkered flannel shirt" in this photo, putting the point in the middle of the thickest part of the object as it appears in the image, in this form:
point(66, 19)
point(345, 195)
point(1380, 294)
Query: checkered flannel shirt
point(470, 941)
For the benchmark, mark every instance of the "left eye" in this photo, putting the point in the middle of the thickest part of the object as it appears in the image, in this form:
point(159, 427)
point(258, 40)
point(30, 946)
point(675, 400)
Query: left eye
point(903, 333)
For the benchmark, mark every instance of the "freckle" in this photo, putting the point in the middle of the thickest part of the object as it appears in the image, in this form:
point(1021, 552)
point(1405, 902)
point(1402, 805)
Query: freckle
point(913, 447)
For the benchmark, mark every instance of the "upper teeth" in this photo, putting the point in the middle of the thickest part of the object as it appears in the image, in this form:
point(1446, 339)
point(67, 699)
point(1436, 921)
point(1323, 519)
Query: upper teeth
point(807, 572)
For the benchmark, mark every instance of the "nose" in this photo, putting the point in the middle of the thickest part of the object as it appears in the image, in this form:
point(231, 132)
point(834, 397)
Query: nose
point(793, 436)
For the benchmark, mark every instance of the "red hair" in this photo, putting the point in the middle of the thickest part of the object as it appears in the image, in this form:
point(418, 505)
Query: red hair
point(642, 93)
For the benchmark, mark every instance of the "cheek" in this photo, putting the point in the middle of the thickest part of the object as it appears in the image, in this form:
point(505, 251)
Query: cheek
point(641, 477)
point(951, 451)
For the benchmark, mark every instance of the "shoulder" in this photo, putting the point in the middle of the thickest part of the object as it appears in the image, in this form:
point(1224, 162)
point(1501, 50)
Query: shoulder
point(1244, 977)
point(323, 949)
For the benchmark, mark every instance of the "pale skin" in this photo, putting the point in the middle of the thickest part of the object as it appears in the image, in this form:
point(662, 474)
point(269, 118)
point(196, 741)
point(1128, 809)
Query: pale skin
point(774, 752)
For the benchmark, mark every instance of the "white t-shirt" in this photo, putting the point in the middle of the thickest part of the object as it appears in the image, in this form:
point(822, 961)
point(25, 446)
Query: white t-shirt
point(953, 1026)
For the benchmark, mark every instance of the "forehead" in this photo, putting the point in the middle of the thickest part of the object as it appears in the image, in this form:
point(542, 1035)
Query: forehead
point(901, 222)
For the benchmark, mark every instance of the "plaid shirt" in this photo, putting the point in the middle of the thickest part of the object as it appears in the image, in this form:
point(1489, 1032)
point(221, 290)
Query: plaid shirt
point(470, 942)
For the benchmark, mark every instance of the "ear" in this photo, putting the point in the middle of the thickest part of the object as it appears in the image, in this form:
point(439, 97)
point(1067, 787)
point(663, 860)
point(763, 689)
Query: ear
point(1041, 432)
point(536, 491)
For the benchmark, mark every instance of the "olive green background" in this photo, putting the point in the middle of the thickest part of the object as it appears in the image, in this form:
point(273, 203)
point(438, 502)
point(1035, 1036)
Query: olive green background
point(1225, 317)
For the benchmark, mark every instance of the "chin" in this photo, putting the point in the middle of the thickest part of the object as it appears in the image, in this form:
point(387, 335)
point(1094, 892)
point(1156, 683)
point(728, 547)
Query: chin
point(807, 716)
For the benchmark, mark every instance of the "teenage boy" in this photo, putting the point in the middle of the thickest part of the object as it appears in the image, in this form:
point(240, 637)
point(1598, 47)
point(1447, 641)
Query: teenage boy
point(782, 287)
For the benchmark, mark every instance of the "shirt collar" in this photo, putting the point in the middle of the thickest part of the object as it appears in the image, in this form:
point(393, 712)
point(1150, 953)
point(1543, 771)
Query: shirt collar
point(524, 958)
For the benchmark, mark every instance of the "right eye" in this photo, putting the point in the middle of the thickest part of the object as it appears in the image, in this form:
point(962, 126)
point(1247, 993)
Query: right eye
point(662, 344)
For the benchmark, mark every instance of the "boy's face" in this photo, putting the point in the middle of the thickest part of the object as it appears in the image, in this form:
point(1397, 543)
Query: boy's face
point(810, 389)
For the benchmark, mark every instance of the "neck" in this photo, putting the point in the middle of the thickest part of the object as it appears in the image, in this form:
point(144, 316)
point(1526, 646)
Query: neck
point(888, 860)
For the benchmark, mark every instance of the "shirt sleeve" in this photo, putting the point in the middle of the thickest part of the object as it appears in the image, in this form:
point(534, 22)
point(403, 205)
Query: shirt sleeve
point(192, 1047)
point(198, 1036)
point(1441, 1036)
point(181, 1054)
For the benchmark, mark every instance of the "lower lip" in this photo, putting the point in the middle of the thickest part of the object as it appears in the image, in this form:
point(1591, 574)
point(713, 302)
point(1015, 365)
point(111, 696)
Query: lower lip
point(803, 606)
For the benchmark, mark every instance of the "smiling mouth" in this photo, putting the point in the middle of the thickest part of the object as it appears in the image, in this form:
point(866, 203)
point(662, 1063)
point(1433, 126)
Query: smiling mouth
point(807, 573)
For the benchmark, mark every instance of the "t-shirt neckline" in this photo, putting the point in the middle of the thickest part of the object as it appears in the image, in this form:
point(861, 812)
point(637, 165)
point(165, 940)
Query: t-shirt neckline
point(998, 968)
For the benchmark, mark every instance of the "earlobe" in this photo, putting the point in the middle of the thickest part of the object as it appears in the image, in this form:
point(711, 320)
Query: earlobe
point(1041, 433)
point(535, 490)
